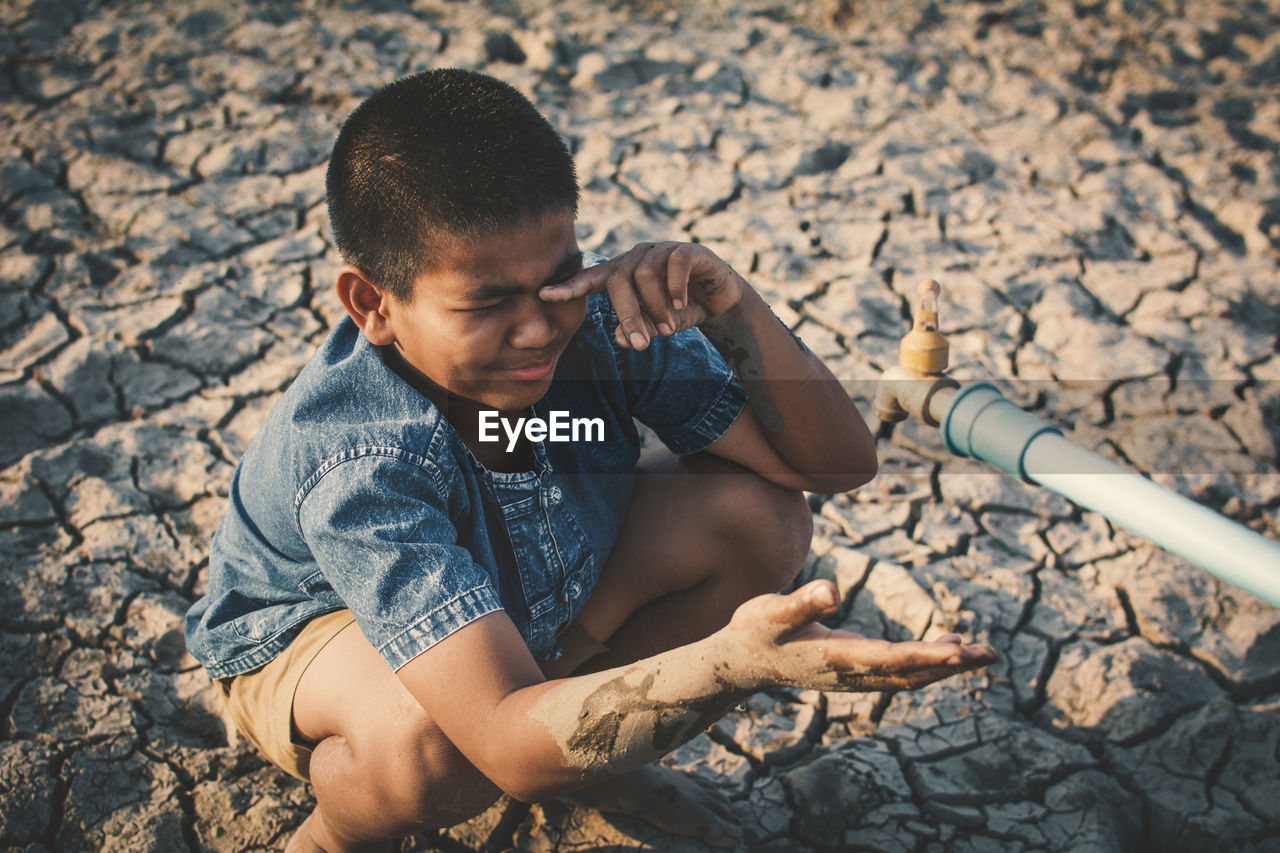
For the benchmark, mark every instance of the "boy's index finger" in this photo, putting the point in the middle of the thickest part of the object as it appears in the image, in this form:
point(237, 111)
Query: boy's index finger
point(679, 266)
point(582, 283)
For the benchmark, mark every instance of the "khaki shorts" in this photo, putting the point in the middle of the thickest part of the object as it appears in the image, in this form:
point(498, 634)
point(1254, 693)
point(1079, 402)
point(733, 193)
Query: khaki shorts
point(261, 702)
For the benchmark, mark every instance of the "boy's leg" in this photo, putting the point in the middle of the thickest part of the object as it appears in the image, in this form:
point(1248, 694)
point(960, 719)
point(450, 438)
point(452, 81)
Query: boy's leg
point(381, 766)
point(702, 536)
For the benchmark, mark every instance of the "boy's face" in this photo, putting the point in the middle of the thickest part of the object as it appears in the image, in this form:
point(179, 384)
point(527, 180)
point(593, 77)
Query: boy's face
point(475, 325)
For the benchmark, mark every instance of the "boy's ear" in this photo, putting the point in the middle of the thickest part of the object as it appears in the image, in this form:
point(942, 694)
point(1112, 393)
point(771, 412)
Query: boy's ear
point(368, 305)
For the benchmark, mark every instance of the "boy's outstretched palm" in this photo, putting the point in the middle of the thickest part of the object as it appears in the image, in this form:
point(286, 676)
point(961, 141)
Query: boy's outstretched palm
point(780, 641)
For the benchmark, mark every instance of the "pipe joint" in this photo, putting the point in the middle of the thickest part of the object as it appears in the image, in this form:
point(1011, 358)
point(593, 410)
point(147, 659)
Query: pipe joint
point(982, 424)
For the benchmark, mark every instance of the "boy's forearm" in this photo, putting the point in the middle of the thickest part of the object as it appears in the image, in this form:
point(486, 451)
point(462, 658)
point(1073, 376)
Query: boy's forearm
point(538, 739)
point(579, 730)
point(806, 415)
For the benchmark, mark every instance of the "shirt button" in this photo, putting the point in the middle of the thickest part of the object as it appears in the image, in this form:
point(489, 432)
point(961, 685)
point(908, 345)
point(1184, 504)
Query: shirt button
point(553, 495)
point(574, 589)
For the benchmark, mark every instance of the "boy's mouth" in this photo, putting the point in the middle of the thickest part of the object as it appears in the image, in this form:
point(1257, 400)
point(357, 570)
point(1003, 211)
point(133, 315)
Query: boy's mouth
point(532, 370)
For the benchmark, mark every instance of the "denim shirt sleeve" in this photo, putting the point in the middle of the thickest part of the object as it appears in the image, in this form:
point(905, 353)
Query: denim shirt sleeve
point(377, 522)
point(682, 388)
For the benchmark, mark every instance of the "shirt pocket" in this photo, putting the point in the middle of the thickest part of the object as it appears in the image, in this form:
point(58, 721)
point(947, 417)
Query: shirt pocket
point(539, 577)
point(552, 561)
point(579, 571)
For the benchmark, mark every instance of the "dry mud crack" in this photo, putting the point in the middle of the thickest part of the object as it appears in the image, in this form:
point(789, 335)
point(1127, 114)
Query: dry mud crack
point(1096, 185)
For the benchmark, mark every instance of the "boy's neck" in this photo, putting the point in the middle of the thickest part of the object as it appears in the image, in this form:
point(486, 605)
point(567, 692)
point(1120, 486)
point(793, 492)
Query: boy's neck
point(464, 416)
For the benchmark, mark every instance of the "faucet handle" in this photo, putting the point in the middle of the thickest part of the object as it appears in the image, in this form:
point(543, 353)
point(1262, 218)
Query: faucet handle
point(927, 292)
point(924, 349)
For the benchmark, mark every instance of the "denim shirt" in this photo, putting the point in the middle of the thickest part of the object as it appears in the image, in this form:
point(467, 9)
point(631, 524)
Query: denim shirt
point(358, 493)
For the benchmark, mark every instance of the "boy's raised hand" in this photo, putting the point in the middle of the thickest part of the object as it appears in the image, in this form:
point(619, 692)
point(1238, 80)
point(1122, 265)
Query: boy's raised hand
point(657, 289)
point(778, 640)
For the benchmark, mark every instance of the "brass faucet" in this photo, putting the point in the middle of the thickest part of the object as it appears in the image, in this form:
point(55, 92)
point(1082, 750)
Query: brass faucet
point(913, 385)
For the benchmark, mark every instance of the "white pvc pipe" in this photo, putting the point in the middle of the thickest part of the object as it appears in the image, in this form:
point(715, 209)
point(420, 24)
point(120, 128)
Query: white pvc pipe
point(1229, 550)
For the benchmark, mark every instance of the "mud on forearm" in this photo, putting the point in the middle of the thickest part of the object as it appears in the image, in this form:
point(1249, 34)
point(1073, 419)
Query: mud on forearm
point(733, 335)
point(617, 721)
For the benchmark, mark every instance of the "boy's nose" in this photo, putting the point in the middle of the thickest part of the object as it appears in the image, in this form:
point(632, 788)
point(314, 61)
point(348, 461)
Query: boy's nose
point(533, 328)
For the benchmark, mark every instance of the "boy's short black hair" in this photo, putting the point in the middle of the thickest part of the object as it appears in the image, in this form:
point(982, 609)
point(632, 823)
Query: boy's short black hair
point(435, 159)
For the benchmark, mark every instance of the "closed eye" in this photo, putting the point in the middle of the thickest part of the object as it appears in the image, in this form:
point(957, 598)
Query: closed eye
point(480, 309)
point(494, 295)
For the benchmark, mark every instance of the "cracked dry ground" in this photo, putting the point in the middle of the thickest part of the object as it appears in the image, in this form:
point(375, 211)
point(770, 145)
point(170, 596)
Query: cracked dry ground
point(1095, 185)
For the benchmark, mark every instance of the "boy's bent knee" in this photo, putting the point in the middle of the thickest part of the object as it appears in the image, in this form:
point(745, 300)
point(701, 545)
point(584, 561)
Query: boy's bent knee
point(767, 526)
point(776, 528)
point(411, 782)
point(438, 787)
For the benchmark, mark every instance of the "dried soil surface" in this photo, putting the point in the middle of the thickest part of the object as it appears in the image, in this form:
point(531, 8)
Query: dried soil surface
point(1095, 185)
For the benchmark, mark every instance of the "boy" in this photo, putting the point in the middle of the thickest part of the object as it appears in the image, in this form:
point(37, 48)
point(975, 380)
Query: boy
point(415, 617)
